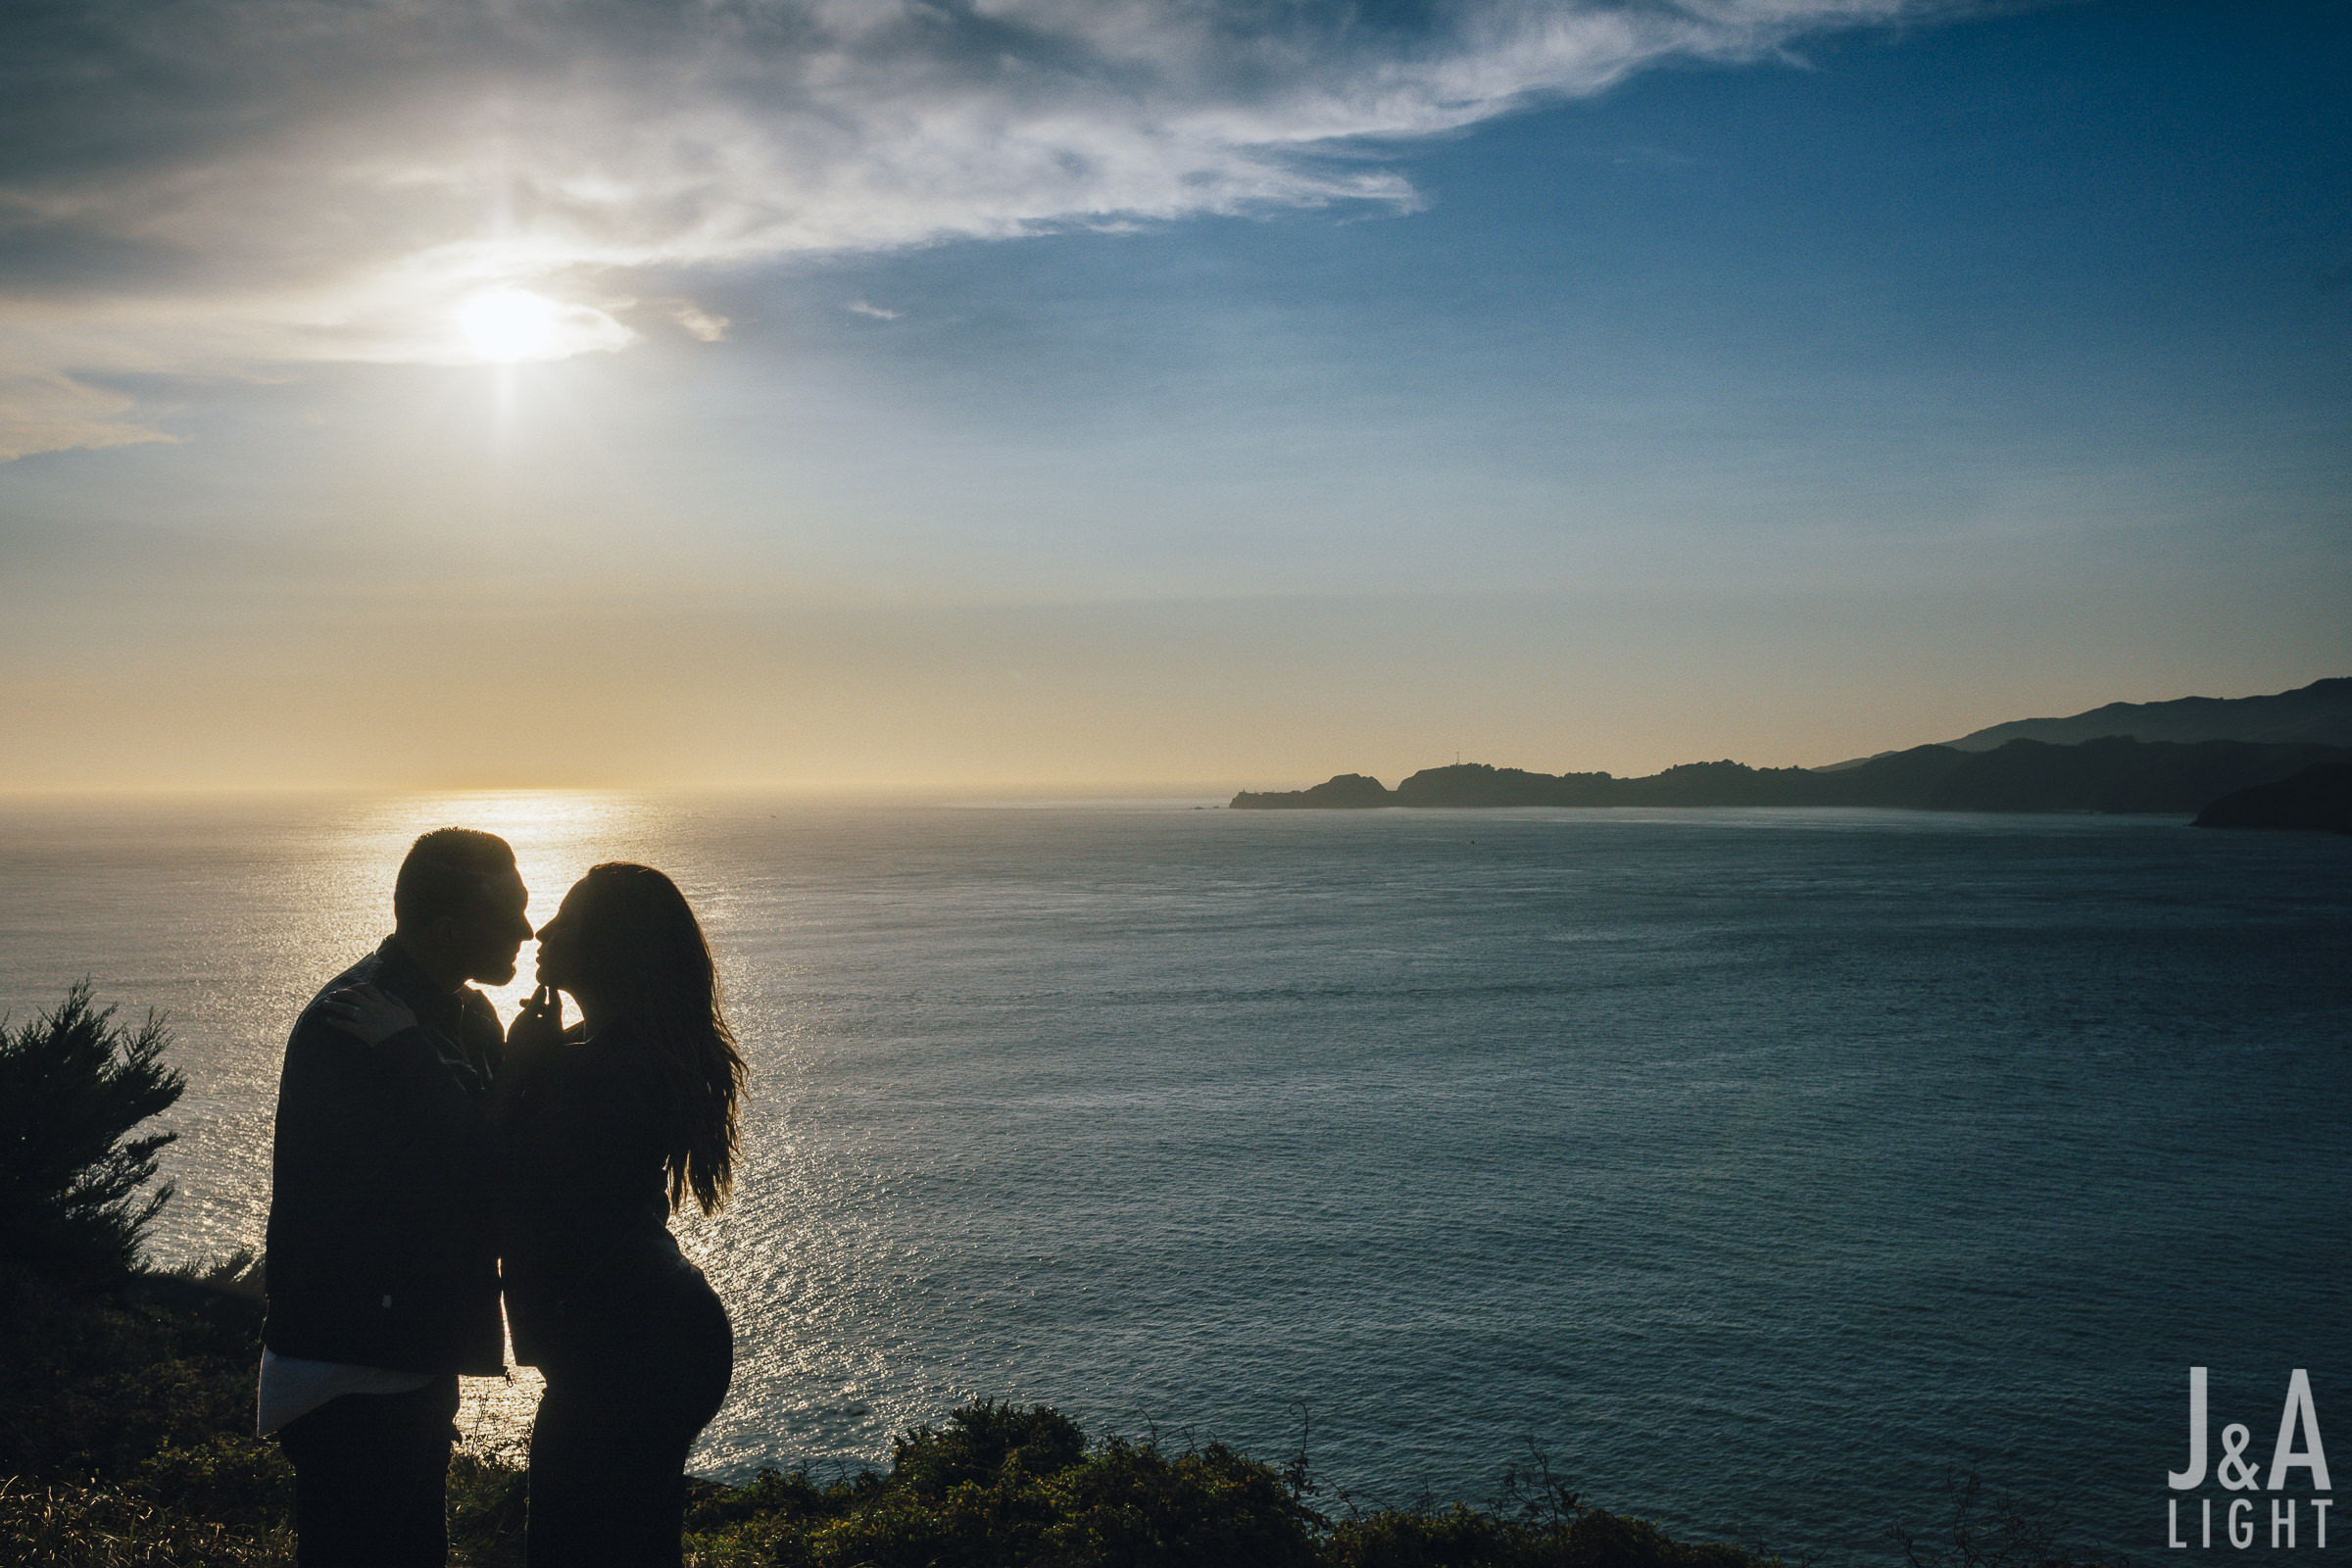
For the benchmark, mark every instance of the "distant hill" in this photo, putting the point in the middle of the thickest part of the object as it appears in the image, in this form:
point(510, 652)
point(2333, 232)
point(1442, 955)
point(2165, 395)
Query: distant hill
point(2107, 774)
point(2318, 715)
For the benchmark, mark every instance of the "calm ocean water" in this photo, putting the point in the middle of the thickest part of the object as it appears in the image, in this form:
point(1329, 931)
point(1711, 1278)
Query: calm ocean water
point(1758, 1166)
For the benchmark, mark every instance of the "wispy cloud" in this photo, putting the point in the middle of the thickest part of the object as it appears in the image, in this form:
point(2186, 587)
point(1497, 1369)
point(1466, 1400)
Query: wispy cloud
point(45, 411)
point(861, 308)
point(213, 185)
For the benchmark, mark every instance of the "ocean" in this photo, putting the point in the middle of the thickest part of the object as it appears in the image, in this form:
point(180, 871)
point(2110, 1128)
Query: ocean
point(1759, 1169)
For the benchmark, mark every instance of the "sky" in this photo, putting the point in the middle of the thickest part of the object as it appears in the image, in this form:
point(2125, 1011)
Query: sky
point(1105, 394)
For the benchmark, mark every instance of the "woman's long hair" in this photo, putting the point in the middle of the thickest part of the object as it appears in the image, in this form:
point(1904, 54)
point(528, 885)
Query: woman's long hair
point(643, 944)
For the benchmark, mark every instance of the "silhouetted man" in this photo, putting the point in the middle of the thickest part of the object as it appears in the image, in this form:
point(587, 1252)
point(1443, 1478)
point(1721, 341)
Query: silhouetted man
point(382, 1255)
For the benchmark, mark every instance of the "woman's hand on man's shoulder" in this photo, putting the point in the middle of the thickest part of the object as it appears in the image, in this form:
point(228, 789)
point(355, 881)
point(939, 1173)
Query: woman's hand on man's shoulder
point(369, 1011)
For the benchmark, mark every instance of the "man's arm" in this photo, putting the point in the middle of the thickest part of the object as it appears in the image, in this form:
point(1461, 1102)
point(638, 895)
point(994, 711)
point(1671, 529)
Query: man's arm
point(330, 1167)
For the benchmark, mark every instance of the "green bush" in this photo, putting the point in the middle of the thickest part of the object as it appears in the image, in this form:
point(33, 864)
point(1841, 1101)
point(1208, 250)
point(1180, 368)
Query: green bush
point(1134, 1504)
point(1456, 1538)
point(980, 1442)
point(72, 1086)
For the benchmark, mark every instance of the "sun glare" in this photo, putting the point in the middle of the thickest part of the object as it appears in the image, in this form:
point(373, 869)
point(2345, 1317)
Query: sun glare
point(508, 325)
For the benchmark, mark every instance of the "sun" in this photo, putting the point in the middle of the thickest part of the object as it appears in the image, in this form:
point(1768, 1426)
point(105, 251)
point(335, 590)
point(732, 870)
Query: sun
point(506, 325)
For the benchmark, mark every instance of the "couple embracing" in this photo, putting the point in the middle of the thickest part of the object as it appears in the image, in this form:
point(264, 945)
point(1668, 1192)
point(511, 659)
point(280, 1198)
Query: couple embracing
point(427, 1160)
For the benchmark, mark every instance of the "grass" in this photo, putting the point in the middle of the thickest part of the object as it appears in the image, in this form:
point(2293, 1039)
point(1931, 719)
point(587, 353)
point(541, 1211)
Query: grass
point(65, 1524)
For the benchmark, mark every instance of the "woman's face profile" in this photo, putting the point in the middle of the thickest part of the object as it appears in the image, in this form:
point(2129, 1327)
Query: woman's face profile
point(560, 943)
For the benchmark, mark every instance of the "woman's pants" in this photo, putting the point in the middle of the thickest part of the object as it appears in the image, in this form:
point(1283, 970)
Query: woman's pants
point(625, 1398)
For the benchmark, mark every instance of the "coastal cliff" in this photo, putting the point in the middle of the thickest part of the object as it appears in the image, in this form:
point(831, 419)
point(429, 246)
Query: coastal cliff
point(1340, 792)
point(2318, 799)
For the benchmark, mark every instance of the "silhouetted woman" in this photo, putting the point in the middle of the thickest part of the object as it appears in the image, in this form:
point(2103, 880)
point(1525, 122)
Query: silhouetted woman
point(612, 1127)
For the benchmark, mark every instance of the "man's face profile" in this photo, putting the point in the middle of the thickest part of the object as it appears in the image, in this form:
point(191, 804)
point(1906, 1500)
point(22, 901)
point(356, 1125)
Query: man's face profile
point(484, 940)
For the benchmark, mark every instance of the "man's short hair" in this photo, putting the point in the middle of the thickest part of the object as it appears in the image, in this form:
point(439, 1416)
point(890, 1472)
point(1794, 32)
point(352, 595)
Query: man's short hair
point(449, 871)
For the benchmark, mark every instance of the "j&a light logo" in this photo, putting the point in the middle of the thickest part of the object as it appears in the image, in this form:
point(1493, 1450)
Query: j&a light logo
point(2299, 1422)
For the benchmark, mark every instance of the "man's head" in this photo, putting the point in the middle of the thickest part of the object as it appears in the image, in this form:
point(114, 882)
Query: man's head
point(459, 907)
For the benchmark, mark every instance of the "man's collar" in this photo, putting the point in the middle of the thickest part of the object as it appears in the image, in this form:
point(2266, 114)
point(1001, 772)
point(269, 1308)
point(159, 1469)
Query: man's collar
point(399, 970)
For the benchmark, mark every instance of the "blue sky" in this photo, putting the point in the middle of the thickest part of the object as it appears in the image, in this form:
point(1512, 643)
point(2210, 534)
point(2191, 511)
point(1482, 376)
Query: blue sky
point(1787, 390)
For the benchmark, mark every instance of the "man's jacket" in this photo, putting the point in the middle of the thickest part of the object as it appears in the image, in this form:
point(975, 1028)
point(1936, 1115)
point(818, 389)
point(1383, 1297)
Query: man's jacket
point(383, 1208)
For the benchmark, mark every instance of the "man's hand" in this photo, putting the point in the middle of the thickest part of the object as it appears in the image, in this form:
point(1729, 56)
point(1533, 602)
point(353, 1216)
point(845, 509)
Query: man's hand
point(540, 1023)
point(369, 1011)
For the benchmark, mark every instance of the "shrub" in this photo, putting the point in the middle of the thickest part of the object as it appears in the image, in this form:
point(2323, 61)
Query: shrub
point(1419, 1538)
point(1134, 1504)
point(980, 1439)
point(72, 1086)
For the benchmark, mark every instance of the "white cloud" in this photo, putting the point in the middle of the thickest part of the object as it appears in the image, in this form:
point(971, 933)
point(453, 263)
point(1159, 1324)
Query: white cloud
point(861, 308)
point(699, 323)
point(212, 185)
